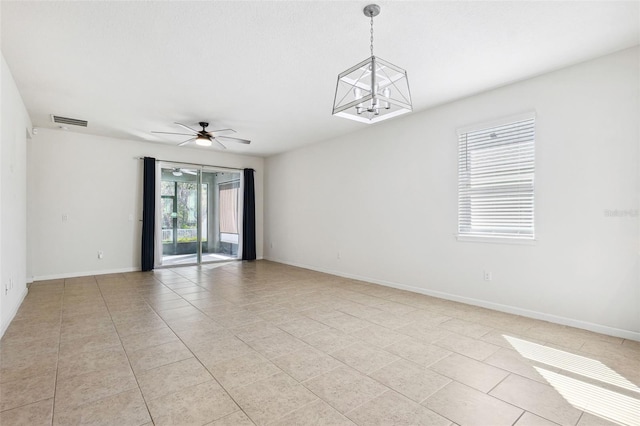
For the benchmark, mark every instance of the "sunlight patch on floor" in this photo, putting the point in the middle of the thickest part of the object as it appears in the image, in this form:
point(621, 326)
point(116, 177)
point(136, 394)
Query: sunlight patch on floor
point(604, 403)
point(578, 364)
point(593, 399)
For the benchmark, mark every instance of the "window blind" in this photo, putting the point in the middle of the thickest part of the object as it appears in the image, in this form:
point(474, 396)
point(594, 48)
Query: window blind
point(496, 181)
point(229, 207)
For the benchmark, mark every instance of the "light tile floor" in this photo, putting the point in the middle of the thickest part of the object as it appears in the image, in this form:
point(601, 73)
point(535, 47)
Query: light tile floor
point(263, 343)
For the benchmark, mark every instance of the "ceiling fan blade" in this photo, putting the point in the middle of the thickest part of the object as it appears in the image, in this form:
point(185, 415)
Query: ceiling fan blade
point(189, 172)
point(234, 139)
point(187, 127)
point(171, 133)
point(221, 130)
point(219, 143)
point(186, 142)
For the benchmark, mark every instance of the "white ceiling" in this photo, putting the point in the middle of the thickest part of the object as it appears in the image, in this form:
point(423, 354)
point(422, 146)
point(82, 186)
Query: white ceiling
point(268, 69)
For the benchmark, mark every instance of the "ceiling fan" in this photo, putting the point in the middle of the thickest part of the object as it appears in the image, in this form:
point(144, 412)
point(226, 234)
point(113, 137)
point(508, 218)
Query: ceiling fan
point(205, 138)
point(176, 171)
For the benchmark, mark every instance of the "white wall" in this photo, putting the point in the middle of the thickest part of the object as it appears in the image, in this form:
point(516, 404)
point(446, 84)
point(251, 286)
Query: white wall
point(15, 126)
point(97, 183)
point(385, 200)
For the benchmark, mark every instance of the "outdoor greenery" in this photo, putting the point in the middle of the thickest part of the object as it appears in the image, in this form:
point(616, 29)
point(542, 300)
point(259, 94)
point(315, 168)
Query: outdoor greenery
point(188, 239)
point(183, 197)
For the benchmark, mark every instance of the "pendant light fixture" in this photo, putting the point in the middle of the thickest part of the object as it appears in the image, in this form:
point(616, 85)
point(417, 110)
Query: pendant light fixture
point(373, 90)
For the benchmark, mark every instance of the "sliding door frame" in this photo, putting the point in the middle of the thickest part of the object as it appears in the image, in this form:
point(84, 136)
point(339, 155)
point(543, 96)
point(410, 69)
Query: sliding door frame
point(200, 168)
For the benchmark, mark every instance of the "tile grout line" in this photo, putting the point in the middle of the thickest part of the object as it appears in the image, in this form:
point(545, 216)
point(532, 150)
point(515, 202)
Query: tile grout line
point(55, 383)
point(194, 356)
point(228, 391)
point(43, 399)
point(126, 355)
point(366, 402)
point(281, 370)
point(256, 290)
point(498, 384)
point(519, 417)
point(335, 408)
point(515, 406)
point(360, 372)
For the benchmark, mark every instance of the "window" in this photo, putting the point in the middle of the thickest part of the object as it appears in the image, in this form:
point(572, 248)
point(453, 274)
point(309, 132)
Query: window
point(496, 180)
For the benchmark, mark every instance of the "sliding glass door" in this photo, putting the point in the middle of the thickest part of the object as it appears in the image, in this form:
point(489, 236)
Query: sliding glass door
point(220, 209)
point(200, 214)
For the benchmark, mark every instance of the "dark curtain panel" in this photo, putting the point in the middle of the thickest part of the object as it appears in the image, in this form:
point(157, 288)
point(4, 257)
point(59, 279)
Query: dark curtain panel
point(148, 212)
point(249, 217)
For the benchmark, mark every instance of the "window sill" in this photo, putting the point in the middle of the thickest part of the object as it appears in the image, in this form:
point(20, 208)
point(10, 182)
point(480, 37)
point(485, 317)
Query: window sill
point(497, 240)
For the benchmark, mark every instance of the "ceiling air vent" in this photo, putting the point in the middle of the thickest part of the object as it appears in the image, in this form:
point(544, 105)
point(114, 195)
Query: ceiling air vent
point(67, 120)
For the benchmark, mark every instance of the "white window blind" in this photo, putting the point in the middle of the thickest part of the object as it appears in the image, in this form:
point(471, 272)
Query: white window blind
point(229, 207)
point(496, 180)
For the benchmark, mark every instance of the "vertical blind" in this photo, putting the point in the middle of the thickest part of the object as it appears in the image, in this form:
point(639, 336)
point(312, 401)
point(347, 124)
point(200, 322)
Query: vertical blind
point(229, 207)
point(496, 181)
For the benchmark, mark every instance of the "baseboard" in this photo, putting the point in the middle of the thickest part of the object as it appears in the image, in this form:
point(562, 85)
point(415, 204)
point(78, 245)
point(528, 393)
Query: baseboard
point(13, 312)
point(598, 328)
point(84, 274)
point(88, 273)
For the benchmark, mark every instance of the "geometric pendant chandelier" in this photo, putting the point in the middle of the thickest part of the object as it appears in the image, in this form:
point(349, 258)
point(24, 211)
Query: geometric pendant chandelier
point(373, 90)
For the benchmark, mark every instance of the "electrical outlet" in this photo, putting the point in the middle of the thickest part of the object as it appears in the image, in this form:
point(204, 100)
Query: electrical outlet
point(487, 276)
point(100, 254)
point(339, 254)
point(65, 217)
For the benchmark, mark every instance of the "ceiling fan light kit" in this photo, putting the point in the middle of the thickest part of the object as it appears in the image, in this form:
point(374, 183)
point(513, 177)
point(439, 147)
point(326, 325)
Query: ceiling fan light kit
point(176, 171)
point(374, 89)
point(203, 141)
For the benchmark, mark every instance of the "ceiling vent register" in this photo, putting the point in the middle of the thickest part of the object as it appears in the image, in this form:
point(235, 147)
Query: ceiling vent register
point(67, 120)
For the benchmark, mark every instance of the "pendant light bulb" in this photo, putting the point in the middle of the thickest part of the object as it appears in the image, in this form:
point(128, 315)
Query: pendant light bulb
point(386, 92)
point(357, 94)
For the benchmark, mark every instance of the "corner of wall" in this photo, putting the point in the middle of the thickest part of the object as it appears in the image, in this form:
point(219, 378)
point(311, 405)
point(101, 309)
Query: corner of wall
point(15, 130)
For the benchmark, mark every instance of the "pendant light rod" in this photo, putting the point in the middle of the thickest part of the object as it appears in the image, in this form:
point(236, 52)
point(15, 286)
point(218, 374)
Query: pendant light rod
point(371, 11)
